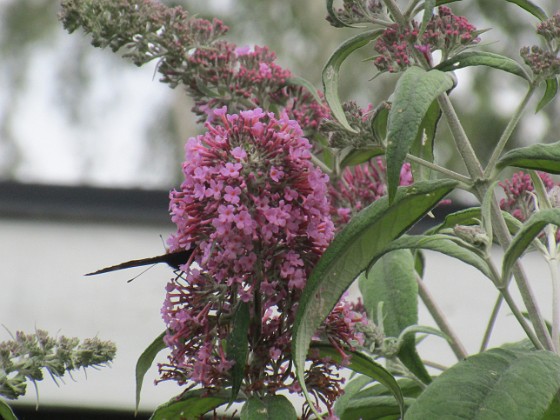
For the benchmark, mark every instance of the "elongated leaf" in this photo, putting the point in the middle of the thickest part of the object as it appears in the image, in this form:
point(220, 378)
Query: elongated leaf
point(392, 280)
point(414, 93)
point(352, 388)
point(415, 329)
point(549, 93)
point(351, 252)
point(530, 7)
point(483, 58)
point(553, 412)
point(300, 81)
point(145, 362)
point(443, 244)
point(238, 347)
point(498, 384)
point(529, 231)
point(540, 157)
point(190, 405)
point(374, 408)
point(332, 14)
point(423, 145)
point(428, 10)
point(331, 73)
point(362, 363)
point(362, 155)
point(471, 216)
point(272, 407)
point(442, 2)
point(379, 122)
point(6, 412)
point(486, 211)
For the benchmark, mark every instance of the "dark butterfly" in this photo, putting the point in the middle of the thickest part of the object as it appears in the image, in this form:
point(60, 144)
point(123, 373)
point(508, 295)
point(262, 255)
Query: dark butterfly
point(173, 259)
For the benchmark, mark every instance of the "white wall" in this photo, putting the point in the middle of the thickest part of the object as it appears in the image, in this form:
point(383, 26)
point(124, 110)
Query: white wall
point(42, 286)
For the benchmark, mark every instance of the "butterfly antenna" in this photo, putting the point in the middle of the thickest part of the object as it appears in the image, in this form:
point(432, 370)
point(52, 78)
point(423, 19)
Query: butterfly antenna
point(142, 272)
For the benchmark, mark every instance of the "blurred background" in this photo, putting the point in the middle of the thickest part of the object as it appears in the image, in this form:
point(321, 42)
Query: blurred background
point(90, 145)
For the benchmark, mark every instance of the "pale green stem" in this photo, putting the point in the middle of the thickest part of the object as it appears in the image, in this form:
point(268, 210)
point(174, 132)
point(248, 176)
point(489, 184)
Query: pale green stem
point(504, 294)
point(500, 227)
point(555, 277)
point(508, 131)
point(491, 323)
point(449, 173)
point(440, 320)
point(321, 164)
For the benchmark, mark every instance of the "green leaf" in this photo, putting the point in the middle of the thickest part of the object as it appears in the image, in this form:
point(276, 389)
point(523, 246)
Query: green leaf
point(379, 122)
point(540, 157)
point(549, 93)
point(351, 388)
point(331, 73)
point(361, 155)
point(145, 362)
point(553, 412)
point(443, 244)
point(339, 23)
point(486, 211)
point(483, 58)
point(530, 7)
point(428, 10)
point(392, 281)
point(271, 407)
point(528, 232)
point(351, 252)
point(363, 363)
point(238, 347)
point(374, 408)
point(414, 93)
point(6, 412)
point(375, 398)
point(190, 405)
point(442, 2)
point(415, 329)
point(498, 384)
point(300, 81)
point(423, 145)
point(471, 216)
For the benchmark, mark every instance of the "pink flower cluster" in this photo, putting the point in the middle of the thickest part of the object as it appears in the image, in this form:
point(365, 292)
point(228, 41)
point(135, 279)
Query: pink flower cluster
point(519, 200)
point(445, 32)
point(256, 210)
point(359, 186)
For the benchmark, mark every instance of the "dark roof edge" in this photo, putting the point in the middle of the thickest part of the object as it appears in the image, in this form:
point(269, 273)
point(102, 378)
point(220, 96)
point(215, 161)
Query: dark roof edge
point(110, 205)
point(57, 202)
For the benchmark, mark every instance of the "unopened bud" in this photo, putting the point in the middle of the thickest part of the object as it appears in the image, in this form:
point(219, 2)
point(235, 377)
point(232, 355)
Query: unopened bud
point(474, 235)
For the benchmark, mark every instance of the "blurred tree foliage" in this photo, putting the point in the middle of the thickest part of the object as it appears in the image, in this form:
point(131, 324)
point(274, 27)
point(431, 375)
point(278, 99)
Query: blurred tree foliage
point(298, 32)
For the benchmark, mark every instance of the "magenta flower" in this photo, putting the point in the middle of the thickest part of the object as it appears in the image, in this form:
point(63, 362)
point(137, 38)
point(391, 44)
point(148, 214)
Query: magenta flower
point(520, 200)
point(359, 186)
point(257, 234)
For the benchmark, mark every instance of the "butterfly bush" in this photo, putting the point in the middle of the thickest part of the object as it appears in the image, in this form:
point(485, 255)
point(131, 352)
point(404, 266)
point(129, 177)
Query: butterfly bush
point(445, 32)
point(257, 211)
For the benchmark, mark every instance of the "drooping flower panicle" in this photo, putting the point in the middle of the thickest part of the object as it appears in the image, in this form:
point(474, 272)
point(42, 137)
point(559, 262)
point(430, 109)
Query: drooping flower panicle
point(257, 211)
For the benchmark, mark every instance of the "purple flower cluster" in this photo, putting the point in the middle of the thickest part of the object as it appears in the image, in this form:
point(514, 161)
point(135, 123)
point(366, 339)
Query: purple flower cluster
point(359, 186)
point(520, 200)
point(545, 63)
point(445, 32)
point(256, 210)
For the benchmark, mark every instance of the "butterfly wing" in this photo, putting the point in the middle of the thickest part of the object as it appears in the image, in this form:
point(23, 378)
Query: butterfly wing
point(173, 259)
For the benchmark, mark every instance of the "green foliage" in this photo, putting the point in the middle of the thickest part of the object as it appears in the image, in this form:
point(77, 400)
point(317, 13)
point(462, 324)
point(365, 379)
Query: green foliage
point(415, 92)
point(190, 405)
point(332, 70)
point(274, 407)
point(353, 250)
point(542, 157)
point(391, 282)
point(497, 384)
point(145, 362)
